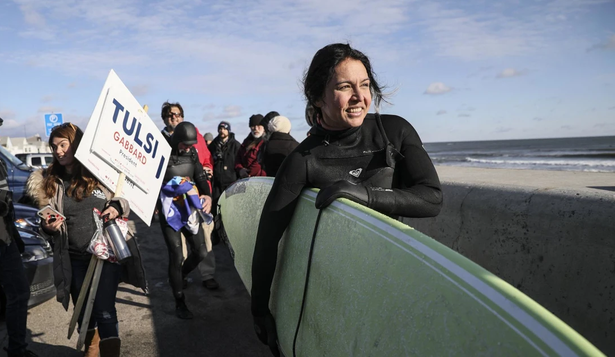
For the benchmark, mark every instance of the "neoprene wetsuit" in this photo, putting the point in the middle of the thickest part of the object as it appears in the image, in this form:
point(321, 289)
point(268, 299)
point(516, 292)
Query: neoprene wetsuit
point(185, 165)
point(387, 158)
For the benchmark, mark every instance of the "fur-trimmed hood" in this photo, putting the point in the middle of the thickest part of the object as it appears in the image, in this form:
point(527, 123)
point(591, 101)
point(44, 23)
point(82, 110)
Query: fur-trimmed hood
point(34, 189)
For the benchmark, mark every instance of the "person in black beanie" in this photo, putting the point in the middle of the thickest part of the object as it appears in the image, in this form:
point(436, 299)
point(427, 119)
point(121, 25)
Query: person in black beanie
point(267, 118)
point(246, 161)
point(223, 149)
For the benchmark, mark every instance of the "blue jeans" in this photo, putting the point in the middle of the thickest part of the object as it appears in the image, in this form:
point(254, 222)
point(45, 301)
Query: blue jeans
point(17, 289)
point(104, 314)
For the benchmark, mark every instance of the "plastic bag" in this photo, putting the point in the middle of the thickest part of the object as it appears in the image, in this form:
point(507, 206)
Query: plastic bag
point(99, 244)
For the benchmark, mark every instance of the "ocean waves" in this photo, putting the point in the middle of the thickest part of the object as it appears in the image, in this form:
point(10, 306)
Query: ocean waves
point(565, 154)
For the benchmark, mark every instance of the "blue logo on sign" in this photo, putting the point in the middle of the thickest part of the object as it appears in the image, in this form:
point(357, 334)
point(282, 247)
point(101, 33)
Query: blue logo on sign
point(51, 121)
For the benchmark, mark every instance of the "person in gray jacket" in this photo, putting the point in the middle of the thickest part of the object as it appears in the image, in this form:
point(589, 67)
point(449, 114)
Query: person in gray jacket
point(70, 188)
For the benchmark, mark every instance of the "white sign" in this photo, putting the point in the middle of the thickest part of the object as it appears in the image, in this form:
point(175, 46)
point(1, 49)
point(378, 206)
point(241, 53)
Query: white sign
point(121, 137)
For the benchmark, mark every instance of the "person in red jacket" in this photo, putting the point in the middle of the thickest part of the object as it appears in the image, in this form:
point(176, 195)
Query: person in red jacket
point(172, 114)
point(246, 161)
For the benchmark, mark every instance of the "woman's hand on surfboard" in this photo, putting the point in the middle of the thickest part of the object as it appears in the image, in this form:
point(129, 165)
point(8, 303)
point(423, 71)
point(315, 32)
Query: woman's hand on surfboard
point(342, 189)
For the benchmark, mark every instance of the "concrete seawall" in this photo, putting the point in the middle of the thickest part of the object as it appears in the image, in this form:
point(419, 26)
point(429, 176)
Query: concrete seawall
point(551, 234)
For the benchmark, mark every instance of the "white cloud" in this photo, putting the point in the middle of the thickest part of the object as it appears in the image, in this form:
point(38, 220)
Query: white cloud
point(510, 72)
point(608, 45)
point(463, 115)
point(437, 88)
point(441, 112)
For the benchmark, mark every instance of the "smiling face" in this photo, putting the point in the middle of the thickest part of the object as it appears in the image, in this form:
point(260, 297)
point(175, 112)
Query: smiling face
point(347, 96)
point(173, 119)
point(63, 151)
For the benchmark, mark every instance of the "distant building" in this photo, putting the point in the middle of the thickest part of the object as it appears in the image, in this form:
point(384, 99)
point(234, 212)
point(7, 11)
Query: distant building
point(19, 145)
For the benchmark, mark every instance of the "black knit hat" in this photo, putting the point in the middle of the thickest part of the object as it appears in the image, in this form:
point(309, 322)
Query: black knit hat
point(256, 120)
point(267, 118)
point(226, 125)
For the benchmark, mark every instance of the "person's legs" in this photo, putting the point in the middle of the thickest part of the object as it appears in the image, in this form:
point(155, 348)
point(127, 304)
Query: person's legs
point(79, 268)
point(174, 246)
point(198, 251)
point(104, 312)
point(17, 289)
point(207, 266)
point(173, 241)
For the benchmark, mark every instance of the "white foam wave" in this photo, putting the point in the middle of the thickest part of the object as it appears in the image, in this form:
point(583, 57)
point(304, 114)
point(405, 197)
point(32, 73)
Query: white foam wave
point(588, 163)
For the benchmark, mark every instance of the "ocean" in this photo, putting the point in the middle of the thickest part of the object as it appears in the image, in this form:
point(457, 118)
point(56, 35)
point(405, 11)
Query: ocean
point(591, 154)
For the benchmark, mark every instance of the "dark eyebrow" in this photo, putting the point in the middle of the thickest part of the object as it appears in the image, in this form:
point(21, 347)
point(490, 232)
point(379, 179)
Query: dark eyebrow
point(349, 82)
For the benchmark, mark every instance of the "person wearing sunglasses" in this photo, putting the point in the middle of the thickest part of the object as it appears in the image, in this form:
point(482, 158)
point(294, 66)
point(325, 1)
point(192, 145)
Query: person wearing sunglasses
point(71, 189)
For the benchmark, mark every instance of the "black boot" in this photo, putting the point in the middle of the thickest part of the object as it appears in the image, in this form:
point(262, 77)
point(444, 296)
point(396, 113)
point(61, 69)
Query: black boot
point(181, 310)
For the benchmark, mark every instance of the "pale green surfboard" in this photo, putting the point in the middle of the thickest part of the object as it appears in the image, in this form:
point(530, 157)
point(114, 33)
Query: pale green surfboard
point(380, 288)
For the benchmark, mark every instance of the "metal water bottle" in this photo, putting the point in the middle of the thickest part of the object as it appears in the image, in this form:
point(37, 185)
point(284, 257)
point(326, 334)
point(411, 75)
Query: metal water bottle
point(116, 239)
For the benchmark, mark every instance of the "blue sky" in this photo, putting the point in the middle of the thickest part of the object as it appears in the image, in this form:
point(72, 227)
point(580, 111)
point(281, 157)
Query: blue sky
point(473, 70)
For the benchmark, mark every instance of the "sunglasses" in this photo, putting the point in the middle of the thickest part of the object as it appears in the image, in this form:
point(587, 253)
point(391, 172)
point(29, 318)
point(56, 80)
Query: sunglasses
point(64, 126)
point(172, 114)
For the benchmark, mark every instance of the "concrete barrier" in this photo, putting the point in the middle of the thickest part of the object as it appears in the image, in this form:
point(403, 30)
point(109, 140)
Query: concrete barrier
point(550, 234)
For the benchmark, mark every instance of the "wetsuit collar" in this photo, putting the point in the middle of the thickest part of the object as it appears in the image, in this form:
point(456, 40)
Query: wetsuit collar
point(333, 134)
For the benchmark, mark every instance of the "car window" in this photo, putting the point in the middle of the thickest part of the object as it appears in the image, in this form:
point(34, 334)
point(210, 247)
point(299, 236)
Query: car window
point(36, 161)
point(48, 160)
point(15, 161)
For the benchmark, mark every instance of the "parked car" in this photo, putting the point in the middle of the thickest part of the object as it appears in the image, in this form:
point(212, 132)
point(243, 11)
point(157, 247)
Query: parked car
point(18, 173)
point(36, 160)
point(26, 218)
point(38, 262)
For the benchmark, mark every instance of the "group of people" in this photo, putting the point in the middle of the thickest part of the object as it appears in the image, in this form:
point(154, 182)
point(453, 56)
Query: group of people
point(212, 164)
point(373, 159)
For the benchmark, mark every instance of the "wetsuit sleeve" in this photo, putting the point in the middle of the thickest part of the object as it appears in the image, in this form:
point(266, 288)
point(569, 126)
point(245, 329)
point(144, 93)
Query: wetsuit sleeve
point(418, 192)
point(200, 178)
point(275, 218)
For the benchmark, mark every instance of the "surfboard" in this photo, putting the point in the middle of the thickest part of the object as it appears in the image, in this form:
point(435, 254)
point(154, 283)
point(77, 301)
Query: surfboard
point(378, 287)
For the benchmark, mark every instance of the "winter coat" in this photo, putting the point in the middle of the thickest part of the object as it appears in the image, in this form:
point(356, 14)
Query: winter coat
point(275, 151)
point(9, 218)
point(247, 157)
point(224, 160)
point(133, 271)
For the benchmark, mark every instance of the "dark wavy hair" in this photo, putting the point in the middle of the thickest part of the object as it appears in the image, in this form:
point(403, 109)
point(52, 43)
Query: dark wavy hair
point(83, 181)
point(166, 108)
point(322, 69)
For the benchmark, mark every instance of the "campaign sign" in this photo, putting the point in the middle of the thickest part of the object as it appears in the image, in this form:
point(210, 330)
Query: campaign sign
point(121, 137)
point(51, 121)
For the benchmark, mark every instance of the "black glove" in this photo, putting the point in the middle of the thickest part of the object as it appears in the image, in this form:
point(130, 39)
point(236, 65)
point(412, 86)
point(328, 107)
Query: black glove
point(342, 189)
point(266, 332)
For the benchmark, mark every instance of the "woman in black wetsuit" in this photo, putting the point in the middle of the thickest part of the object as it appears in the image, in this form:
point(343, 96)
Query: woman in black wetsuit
point(183, 164)
point(376, 160)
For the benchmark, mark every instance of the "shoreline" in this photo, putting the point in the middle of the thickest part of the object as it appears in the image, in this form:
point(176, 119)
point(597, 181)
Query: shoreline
point(538, 179)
